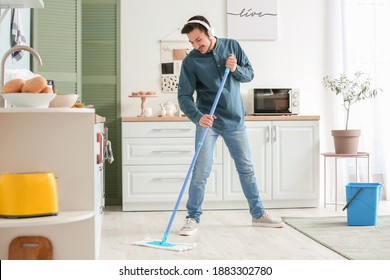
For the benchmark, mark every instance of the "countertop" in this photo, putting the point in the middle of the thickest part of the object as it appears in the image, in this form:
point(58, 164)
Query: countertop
point(247, 118)
point(98, 119)
point(47, 110)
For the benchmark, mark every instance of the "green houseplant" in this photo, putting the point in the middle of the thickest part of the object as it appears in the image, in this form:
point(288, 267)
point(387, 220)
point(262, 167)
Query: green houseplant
point(352, 90)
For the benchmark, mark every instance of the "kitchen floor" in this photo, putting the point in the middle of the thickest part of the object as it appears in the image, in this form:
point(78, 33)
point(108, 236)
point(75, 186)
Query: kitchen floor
point(222, 235)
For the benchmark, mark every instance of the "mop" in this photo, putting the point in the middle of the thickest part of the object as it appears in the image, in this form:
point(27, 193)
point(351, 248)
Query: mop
point(164, 244)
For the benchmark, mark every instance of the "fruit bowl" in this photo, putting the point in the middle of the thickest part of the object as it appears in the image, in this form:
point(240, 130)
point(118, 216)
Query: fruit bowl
point(29, 100)
point(64, 101)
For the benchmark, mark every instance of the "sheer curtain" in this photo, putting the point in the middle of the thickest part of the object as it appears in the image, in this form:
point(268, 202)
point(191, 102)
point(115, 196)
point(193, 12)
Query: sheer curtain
point(359, 40)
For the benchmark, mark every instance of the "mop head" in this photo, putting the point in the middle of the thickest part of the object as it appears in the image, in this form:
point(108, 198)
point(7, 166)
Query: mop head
point(158, 244)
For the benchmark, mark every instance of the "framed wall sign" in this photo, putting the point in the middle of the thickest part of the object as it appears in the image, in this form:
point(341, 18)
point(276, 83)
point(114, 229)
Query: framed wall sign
point(252, 19)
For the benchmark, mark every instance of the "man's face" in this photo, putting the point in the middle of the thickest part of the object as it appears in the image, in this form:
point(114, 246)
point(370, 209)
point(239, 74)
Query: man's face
point(199, 40)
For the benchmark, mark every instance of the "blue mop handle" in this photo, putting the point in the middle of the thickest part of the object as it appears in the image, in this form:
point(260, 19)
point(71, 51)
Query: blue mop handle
point(200, 143)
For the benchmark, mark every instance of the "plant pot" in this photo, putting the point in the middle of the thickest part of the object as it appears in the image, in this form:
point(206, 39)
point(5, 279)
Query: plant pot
point(346, 141)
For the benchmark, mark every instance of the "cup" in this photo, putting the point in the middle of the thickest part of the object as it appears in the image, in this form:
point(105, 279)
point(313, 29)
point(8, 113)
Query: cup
point(148, 112)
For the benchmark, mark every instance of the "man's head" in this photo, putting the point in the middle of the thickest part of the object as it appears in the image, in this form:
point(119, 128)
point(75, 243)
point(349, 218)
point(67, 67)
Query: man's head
point(199, 22)
point(200, 34)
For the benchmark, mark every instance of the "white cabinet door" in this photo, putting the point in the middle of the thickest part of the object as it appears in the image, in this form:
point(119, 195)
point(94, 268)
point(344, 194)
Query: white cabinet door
point(158, 130)
point(143, 151)
point(285, 155)
point(259, 143)
point(158, 187)
point(156, 157)
point(295, 160)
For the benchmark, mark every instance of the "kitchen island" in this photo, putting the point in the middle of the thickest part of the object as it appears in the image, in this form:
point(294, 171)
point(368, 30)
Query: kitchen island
point(65, 142)
point(157, 152)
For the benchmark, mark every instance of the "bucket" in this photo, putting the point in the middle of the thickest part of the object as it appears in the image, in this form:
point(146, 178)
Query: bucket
point(362, 203)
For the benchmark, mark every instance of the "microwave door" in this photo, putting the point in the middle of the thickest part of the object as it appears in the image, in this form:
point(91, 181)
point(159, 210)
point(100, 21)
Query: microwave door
point(281, 103)
point(271, 104)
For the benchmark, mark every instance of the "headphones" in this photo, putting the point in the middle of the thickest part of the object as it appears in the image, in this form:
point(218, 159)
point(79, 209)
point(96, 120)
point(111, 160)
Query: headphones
point(210, 30)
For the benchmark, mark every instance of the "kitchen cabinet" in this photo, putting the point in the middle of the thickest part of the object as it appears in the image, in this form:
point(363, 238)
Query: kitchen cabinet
point(285, 156)
point(156, 156)
point(65, 142)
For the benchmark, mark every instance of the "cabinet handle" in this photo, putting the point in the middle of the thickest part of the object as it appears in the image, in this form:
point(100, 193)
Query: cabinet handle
point(274, 133)
point(171, 129)
point(100, 140)
point(169, 178)
point(173, 151)
point(267, 133)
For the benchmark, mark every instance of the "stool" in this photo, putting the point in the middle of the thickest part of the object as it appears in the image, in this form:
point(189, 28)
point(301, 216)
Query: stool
point(336, 157)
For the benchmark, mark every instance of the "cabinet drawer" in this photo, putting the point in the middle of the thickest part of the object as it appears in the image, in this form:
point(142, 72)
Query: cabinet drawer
point(153, 151)
point(163, 183)
point(158, 129)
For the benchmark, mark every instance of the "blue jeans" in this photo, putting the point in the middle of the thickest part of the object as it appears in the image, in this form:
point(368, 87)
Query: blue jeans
point(237, 143)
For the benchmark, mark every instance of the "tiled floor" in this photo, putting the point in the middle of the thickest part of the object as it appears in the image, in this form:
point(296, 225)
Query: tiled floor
point(224, 234)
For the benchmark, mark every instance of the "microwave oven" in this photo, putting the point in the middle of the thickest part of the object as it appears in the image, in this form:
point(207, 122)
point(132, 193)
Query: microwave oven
point(273, 101)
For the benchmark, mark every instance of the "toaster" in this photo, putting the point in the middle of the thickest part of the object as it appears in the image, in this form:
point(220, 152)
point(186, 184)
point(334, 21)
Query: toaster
point(24, 195)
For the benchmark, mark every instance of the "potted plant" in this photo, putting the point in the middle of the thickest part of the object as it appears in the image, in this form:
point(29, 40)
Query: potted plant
point(352, 90)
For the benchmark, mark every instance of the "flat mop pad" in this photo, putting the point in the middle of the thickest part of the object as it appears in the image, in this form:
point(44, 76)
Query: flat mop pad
point(179, 247)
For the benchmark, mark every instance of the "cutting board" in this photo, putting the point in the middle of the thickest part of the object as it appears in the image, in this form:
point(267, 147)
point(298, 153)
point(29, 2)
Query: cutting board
point(30, 248)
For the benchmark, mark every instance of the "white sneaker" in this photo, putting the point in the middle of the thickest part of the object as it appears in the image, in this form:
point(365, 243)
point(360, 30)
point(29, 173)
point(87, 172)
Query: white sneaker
point(189, 228)
point(267, 221)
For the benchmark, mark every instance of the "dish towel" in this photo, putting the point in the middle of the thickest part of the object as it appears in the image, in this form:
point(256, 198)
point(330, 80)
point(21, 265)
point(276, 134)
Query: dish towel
point(17, 34)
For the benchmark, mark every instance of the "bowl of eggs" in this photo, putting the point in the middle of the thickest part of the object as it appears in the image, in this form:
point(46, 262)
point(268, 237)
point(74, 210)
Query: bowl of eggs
point(32, 93)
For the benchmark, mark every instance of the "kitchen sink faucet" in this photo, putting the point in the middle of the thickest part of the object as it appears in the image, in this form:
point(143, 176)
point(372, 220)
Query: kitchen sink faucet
point(11, 50)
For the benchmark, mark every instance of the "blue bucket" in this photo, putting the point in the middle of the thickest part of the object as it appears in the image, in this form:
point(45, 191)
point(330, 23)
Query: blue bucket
point(362, 203)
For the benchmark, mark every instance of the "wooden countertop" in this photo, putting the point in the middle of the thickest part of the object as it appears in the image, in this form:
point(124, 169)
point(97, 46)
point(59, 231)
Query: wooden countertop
point(247, 118)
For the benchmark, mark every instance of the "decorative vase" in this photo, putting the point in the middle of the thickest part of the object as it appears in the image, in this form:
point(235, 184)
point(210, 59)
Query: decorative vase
point(346, 141)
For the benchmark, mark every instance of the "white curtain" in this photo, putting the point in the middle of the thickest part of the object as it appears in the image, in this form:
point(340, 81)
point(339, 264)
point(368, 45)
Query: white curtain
point(359, 40)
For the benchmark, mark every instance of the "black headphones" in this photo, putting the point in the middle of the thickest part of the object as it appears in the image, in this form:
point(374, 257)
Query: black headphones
point(210, 30)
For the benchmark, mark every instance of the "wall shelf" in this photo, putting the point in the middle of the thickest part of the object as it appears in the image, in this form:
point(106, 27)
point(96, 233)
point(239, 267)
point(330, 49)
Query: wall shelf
point(16, 4)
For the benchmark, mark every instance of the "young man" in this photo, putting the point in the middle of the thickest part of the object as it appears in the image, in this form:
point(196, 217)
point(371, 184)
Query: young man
point(202, 71)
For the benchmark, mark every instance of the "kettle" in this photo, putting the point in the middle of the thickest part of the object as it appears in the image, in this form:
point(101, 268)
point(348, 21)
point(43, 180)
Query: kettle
point(171, 107)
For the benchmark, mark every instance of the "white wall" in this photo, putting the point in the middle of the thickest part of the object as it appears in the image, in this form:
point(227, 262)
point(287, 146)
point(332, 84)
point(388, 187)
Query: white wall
point(296, 59)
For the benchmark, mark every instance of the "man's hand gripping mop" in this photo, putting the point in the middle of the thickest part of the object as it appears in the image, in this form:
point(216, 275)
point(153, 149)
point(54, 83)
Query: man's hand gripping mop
point(164, 244)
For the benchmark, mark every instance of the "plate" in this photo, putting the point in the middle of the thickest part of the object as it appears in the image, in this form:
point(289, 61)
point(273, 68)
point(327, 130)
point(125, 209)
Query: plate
point(29, 100)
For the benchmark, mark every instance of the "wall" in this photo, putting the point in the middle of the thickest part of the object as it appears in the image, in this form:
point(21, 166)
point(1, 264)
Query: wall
point(296, 59)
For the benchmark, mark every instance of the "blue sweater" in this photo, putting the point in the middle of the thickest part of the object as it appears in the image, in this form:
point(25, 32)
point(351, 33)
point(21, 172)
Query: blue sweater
point(203, 73)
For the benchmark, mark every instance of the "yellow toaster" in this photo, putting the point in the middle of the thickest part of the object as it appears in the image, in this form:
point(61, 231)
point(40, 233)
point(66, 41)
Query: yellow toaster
point(25, 195)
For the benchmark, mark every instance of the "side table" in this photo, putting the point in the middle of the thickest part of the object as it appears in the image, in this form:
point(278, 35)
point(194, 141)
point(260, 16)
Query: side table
point(363, 155)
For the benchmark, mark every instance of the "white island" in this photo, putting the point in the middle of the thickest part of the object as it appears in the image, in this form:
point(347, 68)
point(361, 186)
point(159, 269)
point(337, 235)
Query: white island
point(65, 142)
